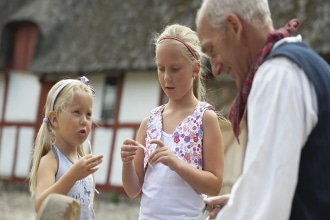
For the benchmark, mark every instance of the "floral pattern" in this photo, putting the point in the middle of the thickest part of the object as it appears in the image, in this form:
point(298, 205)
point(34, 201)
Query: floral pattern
point(188, 136)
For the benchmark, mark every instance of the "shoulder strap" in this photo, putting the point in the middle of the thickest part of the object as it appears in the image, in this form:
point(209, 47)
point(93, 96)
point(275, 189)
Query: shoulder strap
point(315, 67)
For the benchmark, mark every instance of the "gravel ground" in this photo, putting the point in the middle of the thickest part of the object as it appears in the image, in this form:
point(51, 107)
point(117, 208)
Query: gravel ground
point(16, 204)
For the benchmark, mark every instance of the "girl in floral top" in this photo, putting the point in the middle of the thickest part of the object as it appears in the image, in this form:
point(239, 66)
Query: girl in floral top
point(183, 155)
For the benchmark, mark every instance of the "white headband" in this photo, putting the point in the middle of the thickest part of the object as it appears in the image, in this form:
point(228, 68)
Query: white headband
point(58, 90)
point(82, 79)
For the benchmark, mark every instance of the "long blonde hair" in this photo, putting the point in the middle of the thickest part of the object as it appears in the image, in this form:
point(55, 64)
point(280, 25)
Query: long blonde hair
point(59, 96)
point(192, 52)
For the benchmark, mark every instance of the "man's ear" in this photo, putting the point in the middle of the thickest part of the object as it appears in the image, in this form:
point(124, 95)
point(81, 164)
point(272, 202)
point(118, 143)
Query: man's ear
point(234, 25)
point(53, 118)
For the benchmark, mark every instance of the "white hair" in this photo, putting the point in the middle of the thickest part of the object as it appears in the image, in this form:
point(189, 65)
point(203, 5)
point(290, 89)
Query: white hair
point(255, 12)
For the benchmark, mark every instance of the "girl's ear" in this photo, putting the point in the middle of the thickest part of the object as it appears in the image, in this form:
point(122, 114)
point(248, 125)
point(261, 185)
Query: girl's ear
point(197, 67)
point(53, 118)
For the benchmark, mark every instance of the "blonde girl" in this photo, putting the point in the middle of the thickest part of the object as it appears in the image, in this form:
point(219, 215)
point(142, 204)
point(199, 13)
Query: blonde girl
point(177, 156)
point(59, 163)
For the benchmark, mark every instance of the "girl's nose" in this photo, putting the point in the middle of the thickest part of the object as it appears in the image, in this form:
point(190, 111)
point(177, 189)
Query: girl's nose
point(84, 119)
point(167, 76)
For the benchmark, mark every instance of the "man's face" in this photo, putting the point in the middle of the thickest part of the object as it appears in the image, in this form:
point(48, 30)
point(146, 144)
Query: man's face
point(222, 49)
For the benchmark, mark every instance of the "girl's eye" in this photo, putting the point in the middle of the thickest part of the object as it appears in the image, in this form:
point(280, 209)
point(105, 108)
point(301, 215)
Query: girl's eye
point(76, 112)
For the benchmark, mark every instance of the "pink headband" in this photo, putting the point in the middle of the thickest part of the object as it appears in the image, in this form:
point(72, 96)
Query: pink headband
point(181, 41)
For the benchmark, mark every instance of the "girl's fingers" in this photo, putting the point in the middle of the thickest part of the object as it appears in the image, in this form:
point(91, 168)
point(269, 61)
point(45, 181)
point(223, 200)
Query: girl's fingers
point(158, 142)
point(141, 146)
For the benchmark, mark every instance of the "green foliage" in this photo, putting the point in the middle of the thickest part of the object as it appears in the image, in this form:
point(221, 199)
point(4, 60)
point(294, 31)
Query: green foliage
point(114, 197)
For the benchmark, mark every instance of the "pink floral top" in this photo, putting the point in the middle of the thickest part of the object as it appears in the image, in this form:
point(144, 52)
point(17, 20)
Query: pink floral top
point(188, 135)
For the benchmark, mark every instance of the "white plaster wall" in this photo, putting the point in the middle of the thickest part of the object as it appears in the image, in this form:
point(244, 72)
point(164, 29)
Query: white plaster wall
point(24, 152)
point(2, 92)
point(102, 145)
point(140, 94)
point(7, 150)
point(115, 177)
point(23, 97)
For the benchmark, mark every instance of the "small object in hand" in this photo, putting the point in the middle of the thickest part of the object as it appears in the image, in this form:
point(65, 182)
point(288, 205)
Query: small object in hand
point(143, 147)
point(145, 150)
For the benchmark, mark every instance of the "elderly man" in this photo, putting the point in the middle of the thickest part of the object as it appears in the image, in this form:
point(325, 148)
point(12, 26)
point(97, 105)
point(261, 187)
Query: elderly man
point(284, 96)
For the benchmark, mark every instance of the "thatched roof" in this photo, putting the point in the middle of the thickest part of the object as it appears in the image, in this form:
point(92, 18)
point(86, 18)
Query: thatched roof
point(314, 16)
point(105, 35)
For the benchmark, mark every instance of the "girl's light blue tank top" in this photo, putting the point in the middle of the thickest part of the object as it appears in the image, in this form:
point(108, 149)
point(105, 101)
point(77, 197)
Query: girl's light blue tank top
point(82, 190)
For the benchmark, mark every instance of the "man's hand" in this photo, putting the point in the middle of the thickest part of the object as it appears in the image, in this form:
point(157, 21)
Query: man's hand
point(215, 203)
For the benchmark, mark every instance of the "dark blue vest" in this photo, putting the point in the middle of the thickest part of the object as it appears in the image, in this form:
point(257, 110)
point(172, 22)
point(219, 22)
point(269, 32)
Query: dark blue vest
point(312, 196)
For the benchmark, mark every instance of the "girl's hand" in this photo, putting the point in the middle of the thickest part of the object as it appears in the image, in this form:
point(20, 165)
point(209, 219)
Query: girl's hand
point(128, 150)
point(85, 166)
point(163, 154)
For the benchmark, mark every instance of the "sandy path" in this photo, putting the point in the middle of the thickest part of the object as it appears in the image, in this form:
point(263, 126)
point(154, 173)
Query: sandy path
point(15, 204)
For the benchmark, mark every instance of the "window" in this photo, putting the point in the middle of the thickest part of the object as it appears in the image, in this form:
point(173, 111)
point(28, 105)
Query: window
point(109, 99)
point(19, 41)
